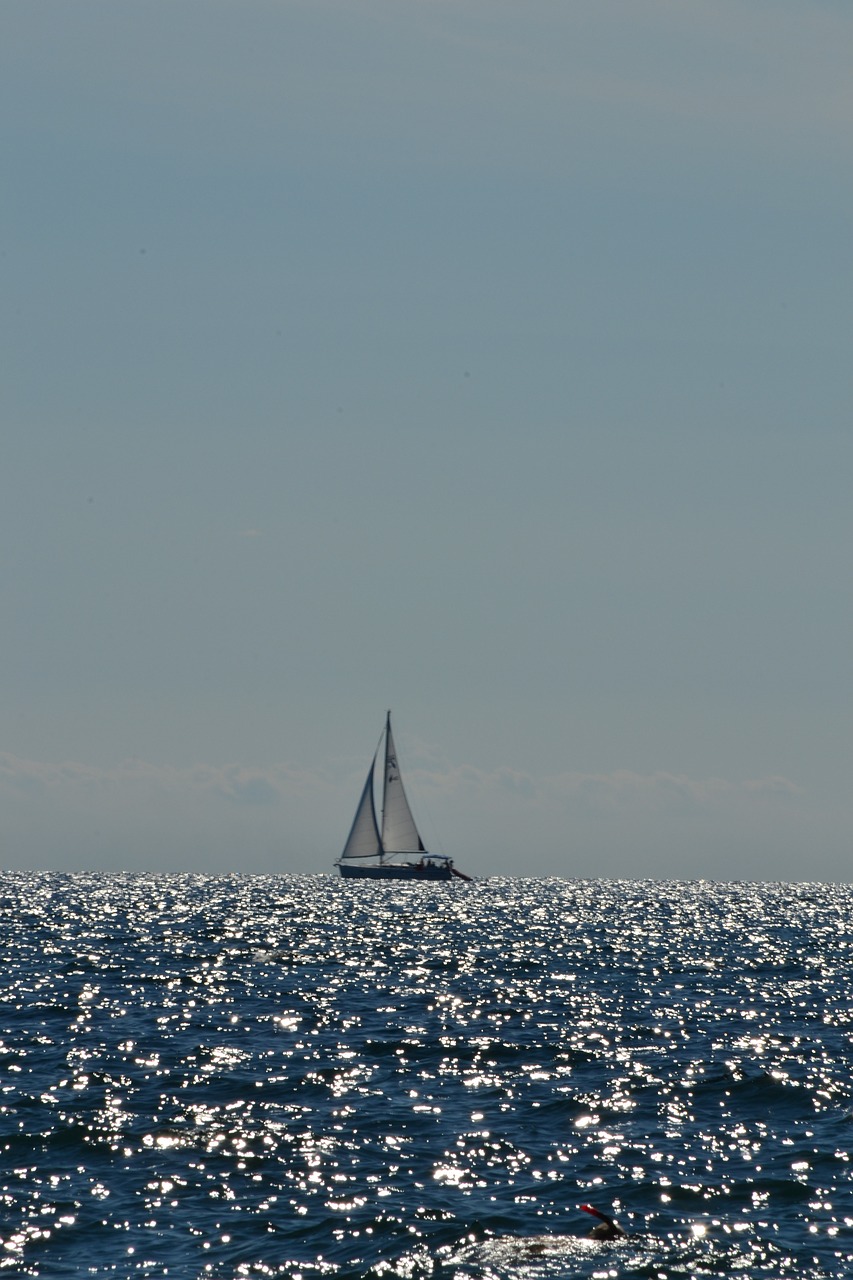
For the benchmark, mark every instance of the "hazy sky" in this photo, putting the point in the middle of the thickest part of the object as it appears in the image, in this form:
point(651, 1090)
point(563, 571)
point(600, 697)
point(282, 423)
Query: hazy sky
point(490, 362)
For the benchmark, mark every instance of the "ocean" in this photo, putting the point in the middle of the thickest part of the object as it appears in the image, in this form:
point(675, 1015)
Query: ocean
point(304, 1076)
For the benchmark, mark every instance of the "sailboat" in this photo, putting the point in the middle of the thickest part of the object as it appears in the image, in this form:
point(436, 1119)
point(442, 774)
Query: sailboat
point(396, 852)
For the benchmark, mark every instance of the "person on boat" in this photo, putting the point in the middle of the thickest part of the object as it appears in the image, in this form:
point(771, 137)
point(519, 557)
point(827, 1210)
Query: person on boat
point(607, 1229)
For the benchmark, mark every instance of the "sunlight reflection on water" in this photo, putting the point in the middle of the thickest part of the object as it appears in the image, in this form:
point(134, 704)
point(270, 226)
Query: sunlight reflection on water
point(271, 1075)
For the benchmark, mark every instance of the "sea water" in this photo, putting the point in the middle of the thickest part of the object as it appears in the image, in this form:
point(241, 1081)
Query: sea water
point(305, 1076)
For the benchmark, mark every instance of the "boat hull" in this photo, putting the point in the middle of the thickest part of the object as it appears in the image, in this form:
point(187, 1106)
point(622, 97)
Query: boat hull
point(399, 871)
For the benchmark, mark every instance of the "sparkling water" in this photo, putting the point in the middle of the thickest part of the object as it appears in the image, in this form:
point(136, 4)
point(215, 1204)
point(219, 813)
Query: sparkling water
point(305, 1076)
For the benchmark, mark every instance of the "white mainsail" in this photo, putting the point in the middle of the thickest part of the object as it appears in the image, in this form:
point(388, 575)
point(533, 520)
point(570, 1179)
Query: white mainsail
point(399, 833)
point(363, 840)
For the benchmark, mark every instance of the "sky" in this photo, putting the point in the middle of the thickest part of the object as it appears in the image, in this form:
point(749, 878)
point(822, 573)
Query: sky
point(487, 362)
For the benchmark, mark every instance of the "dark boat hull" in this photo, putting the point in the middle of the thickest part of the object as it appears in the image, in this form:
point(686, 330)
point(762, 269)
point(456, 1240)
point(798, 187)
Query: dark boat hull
point(399, 871)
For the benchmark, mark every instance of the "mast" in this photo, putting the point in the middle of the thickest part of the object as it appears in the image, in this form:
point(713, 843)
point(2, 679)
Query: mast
point(399, 833)
point(384, 785)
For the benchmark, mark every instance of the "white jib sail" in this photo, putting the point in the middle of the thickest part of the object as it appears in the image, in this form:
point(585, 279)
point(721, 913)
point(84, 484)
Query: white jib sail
point(363, 840)
point(399, 833)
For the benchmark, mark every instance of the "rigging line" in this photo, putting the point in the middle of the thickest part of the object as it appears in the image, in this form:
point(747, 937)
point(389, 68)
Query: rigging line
point(431, 820)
